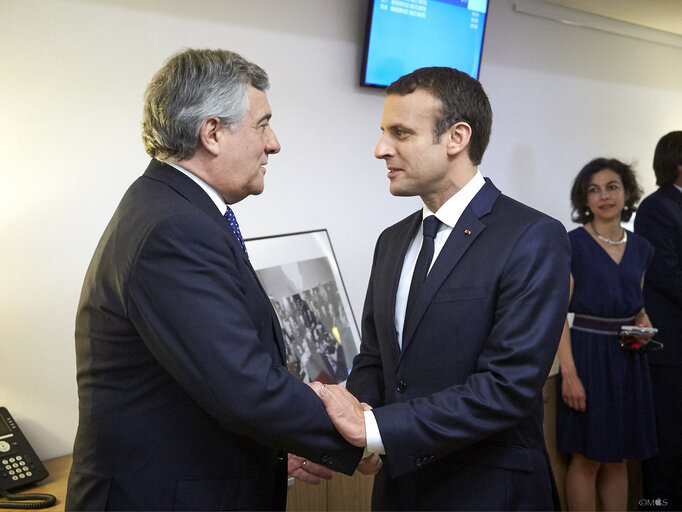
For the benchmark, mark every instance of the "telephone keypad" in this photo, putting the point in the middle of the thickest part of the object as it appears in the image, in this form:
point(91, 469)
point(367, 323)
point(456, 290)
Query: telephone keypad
point(16, 468)
point(19, 464)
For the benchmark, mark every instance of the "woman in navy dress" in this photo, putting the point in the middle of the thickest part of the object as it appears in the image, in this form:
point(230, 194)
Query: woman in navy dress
point(606, 413)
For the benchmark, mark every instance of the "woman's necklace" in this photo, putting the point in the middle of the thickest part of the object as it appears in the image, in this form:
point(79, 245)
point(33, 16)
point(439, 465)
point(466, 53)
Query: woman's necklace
point(608, 240)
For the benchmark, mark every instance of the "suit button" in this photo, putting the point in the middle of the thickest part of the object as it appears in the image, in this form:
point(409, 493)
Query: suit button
point(401, 386)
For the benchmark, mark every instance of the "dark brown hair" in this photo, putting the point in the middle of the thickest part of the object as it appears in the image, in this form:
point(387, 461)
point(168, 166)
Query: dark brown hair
point(633, 192)
point(462, 99)
point(668, 158)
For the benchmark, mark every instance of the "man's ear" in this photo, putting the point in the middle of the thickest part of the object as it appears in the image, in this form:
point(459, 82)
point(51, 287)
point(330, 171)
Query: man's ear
point(209, 134)
point(459, 136)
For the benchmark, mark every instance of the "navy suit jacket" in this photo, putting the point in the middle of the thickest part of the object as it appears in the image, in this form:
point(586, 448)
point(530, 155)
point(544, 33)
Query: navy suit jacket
point(659, 220)
point(460, 407)
point(185, 401)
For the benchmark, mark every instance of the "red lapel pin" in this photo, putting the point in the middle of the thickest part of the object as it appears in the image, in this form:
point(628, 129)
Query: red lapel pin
point(467, 232)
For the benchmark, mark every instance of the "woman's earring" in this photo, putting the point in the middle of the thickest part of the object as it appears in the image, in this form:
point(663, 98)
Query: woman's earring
point(587, 212)
point(626, 208)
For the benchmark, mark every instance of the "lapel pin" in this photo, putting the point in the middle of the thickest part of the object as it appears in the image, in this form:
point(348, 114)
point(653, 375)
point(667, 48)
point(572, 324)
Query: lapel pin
point(467, 232)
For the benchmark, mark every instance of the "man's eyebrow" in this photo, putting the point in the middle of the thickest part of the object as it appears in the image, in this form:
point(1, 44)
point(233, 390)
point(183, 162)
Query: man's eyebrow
point(398, 126)
point(266, 117)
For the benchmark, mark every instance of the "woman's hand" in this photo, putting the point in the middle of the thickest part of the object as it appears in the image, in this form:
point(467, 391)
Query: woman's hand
point(641, 320)
point(573, 392)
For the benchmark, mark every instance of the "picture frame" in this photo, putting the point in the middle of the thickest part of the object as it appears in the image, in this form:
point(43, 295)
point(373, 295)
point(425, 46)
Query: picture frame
point(301, 277)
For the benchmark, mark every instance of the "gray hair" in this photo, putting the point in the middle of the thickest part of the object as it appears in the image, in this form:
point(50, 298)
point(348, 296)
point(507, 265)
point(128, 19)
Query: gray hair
point(191, 87)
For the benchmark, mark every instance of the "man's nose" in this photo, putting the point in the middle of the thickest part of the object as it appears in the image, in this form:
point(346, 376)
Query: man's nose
point(383, 149)
point(271, 143)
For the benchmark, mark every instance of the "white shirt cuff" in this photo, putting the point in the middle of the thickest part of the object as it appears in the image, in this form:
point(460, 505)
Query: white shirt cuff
point(372, 434)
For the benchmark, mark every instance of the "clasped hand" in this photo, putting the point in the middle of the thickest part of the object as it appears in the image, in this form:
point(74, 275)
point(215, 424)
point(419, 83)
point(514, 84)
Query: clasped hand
point(307, 471)
point(348, 416)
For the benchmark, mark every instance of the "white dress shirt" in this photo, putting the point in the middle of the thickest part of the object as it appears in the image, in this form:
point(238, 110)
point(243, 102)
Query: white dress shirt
point(448, 215)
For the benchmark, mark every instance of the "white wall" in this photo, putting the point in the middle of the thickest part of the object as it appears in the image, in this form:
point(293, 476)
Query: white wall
point(72, 75)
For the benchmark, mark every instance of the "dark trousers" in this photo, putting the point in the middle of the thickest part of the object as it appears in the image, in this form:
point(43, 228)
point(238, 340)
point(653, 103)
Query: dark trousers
point(662, 474)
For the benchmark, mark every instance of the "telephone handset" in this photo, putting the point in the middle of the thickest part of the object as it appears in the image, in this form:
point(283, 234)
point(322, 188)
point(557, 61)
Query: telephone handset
point(19, 466)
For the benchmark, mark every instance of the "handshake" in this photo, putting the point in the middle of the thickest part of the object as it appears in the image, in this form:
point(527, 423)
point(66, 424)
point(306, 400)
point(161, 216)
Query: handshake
point(348, 416)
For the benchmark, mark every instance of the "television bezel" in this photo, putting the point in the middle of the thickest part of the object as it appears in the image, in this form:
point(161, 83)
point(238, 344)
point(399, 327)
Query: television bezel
point(368, 34)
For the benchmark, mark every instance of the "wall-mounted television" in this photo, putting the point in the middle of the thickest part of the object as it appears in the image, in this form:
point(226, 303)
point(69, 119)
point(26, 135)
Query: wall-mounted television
point(403, 35)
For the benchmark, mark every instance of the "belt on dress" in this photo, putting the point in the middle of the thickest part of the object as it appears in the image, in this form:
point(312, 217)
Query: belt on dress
point(600, 325)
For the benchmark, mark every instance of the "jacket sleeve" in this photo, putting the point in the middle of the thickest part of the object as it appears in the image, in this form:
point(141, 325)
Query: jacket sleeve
point(202, 314)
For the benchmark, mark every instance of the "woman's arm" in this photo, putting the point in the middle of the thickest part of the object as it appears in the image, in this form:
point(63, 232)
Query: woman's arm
point(572, 390)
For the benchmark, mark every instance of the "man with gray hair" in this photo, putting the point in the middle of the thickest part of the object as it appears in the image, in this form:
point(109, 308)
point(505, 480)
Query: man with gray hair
point(185, 401)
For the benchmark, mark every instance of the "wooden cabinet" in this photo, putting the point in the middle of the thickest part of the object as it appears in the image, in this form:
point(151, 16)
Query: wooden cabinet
point(340, 493)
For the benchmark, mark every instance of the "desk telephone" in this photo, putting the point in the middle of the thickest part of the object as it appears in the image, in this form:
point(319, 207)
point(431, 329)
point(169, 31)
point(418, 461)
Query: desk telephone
point(19, 465)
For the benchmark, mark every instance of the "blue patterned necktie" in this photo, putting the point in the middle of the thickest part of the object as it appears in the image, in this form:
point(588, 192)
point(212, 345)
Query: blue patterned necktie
point(229, 215)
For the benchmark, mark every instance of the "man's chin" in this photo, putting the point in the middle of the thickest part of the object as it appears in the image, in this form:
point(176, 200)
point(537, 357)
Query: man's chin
point(400, 192)
point(258, 189)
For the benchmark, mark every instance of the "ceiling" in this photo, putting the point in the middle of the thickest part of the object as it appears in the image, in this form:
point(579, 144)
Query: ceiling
point(660, 14)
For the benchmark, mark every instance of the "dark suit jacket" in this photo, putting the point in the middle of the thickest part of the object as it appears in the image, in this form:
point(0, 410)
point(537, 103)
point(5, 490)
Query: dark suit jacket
point(185, 401)
point(659, 220)
point(460, 408)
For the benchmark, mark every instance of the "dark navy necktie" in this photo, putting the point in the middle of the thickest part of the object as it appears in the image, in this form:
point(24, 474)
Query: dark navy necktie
point(229, 215)
point(421, 268)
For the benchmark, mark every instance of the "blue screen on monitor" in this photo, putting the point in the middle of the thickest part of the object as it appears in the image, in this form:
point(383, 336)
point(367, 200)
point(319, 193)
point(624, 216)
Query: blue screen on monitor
point(404, 35)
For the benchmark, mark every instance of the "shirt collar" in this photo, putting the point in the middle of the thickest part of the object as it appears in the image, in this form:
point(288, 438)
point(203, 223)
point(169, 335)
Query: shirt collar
point(212, 193)
point(452, 209)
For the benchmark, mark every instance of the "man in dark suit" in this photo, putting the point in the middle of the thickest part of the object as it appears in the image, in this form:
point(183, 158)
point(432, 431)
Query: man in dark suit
point(659, 220)
point(185, 401)
point(454, 363)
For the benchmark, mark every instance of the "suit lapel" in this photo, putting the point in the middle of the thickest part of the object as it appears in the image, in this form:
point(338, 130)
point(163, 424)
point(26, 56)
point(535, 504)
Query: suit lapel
point(464, 233)
point(187, 188)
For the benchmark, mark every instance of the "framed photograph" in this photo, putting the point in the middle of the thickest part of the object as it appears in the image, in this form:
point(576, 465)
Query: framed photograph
point(302, 279)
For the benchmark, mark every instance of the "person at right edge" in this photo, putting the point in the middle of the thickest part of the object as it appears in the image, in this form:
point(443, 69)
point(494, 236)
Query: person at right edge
point(455, 375)
point(659, 220)
point(605, 413)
